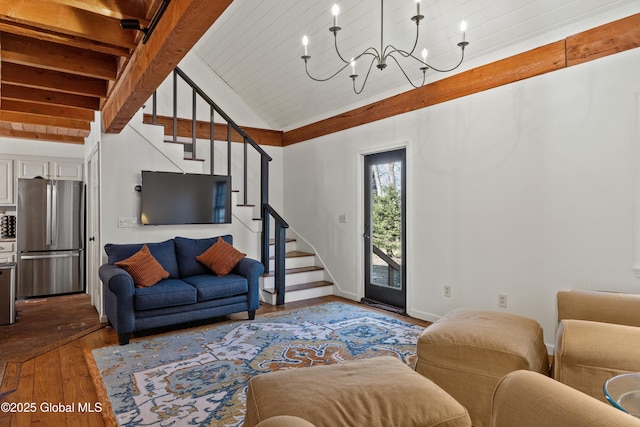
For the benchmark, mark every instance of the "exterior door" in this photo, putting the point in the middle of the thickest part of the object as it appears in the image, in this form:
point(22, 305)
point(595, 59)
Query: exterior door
point(385, 229)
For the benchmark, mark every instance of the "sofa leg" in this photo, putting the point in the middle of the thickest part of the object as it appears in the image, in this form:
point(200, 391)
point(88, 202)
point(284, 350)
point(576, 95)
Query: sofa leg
point(123, 339)
point(252, 314)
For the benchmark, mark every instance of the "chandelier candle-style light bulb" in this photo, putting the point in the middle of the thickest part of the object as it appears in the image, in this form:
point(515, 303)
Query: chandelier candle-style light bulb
point(384, 54)
point(335, 10)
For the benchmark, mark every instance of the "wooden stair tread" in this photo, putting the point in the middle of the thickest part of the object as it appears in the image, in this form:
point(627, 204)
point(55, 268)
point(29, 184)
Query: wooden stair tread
point(194, 160)
point(170, 141)
point(297, 270)
point(295, 254)
point(302, 286)
point(286, 240)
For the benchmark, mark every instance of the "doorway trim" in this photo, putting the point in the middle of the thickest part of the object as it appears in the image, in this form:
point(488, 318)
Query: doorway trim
point(94, 254)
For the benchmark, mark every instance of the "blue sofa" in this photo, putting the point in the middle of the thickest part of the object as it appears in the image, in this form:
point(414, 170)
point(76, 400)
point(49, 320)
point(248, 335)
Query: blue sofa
point(191, 292)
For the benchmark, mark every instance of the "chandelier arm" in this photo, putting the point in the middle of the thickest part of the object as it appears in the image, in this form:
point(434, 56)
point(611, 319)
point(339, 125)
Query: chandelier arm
point(335, 39)
point(366, 77)
point(306, 69)
point(403, 52)
point(424, 73)
point(439, 70)
point(369, 51)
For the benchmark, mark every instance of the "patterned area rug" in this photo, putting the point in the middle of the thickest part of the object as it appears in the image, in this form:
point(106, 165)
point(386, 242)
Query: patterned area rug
point(200, 377)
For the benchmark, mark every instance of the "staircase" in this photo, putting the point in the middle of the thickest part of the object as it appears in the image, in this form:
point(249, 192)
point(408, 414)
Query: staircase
point(291, 270)
point(304, 278)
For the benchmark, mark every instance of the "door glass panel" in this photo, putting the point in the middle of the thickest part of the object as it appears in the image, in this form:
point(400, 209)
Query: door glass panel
point(386, 225)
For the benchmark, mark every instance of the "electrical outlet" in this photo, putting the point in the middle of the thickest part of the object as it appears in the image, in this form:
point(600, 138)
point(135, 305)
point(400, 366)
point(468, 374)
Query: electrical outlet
point(502, 301)
point(447, 291)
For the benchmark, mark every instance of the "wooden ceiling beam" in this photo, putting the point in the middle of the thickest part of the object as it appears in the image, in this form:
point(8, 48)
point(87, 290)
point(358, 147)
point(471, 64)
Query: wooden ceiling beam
point(180, 28)
point(36, 119)
point(119, 9)
point(59, 17)
point(41, 136)
point(47, 110)
point(203, 129)
point(38, 78)
point(30, 32)
point(48, 97)
point(56, 57)
point(604, 40)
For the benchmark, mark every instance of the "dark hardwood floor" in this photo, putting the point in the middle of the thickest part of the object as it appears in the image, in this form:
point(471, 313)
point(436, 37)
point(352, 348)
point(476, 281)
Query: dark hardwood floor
point(45, 323)
point(56, 373)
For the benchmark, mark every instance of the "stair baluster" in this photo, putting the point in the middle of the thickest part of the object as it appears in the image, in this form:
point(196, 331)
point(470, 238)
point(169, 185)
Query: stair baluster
point(267, 210)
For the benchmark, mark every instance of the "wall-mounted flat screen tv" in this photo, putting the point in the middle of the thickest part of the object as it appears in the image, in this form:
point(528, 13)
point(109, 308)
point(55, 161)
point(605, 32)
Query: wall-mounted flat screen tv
point(181, 198)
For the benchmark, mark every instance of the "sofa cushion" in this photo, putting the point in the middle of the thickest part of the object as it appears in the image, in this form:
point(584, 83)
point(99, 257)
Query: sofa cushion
point(210, 286)
point(143, 268)
point(188, 249)
point(221, 257)
point(166, 293)
point(163, 252)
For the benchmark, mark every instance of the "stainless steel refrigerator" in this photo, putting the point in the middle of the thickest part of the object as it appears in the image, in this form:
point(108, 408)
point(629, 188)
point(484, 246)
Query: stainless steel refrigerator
point(50, 238)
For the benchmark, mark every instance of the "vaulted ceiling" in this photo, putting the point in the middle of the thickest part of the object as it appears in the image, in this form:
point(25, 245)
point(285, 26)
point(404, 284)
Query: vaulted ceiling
point(256, 46)
point(62, 60)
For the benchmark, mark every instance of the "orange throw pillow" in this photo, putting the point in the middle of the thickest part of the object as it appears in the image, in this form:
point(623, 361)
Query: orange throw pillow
point(221, 257)
point(144, 268)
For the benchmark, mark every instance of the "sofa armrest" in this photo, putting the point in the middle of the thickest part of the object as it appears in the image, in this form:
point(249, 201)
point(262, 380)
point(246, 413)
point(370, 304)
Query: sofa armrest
point(608, 307)
point(117, 280)
point(252, 270)
point(529, 399)
point(588, 353)
point(118, 297)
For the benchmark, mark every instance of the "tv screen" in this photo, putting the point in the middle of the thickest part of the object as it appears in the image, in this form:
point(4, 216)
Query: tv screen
point(180, 198)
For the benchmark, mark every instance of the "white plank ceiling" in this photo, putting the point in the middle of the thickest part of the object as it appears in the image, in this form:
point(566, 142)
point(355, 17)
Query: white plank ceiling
point(255, 46)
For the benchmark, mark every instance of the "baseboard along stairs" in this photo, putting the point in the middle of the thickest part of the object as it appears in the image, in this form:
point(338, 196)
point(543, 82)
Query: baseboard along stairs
point(304, 278)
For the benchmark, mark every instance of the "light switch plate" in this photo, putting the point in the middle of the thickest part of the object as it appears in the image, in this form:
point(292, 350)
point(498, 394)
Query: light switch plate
point(127, 222)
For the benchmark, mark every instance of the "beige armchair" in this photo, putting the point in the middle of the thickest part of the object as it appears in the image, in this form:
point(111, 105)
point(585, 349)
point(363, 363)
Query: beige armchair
point(598, 337)
point(529, 399)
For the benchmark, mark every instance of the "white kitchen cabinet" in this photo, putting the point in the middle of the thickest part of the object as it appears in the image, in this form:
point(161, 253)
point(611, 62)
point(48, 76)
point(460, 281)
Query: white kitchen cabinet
point(7, 252)
point(71, 170)
point(32, 168)
point(57, 169)
point(6, 182)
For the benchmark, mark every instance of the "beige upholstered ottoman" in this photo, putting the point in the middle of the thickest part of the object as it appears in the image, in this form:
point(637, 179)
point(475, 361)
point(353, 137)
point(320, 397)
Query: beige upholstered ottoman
point(468, 351)
point(381, 391)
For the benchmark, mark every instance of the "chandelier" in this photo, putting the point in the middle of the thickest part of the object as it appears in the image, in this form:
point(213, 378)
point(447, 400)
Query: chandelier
point(381, 57)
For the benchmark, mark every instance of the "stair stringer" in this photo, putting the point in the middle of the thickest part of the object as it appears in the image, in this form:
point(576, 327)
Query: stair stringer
point(154, 136)
point(296, 242)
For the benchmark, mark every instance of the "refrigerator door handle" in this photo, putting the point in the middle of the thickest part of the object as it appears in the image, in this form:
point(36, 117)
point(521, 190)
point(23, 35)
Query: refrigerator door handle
point(48, 218)
point(54, 215)
point(67, 255)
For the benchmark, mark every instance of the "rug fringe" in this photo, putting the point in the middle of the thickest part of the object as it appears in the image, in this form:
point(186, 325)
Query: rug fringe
point(107, 411)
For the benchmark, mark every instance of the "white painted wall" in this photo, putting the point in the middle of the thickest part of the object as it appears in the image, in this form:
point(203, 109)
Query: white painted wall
point(522, 190)
point(139, 147)
point(216, 88)
point(28, 147)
